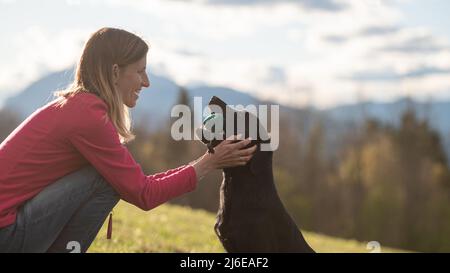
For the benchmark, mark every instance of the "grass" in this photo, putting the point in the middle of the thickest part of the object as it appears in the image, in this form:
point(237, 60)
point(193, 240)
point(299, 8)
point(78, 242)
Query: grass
point(170, 228)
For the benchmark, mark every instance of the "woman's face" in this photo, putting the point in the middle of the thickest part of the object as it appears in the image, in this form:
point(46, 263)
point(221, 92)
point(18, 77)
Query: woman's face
point(130, 79)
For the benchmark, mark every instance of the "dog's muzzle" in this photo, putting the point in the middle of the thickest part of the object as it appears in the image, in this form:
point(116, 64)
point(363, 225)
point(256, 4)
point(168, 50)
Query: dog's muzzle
point(211, 125)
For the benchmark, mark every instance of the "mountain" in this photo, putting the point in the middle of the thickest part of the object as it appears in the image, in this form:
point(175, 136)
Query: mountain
point(153, 108)
point(155, 104)
point(437, 113)
point(38, 93)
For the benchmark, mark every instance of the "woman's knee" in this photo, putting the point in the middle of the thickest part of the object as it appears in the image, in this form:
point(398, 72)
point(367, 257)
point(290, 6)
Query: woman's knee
point(102, 186)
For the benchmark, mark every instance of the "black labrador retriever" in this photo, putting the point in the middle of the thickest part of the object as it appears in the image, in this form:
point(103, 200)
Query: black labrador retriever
point(251, 216)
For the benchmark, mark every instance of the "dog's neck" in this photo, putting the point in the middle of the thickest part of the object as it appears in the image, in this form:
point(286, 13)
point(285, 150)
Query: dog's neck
point(258, 182)
point(263, 169)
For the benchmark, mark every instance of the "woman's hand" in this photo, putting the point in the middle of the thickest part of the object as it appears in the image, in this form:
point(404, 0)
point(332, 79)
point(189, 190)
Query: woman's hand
point(226, 154)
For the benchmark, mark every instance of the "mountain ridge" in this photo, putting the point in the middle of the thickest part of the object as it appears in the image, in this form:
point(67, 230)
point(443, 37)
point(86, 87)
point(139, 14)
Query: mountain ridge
point(155, 104)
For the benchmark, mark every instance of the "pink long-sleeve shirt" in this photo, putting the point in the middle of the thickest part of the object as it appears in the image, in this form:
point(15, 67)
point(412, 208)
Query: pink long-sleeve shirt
point(55, 141)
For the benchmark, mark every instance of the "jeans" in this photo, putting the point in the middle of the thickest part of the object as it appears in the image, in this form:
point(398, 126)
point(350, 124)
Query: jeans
point(65, 216)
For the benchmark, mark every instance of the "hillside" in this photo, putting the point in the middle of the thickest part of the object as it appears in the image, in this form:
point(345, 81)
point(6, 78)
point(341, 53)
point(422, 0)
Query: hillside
point(171, 228)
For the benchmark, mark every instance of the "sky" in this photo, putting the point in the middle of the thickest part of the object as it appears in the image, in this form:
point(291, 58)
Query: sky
point(296, 52)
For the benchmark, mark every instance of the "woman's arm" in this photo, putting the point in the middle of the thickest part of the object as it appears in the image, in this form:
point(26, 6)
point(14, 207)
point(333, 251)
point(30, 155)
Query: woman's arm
point(168, 172)
point(97, 140)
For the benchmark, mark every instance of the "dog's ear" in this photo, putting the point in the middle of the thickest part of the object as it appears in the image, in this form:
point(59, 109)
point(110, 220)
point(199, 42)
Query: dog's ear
point(216, 101)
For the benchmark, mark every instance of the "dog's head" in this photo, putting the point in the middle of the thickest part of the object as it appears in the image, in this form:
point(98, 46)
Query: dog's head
point(225, 121)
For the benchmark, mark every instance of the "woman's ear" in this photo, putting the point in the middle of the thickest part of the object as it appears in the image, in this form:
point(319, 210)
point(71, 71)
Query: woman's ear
point(115, 73)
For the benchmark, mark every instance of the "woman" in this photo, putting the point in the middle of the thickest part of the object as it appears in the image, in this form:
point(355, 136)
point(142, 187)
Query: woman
point(65, 167)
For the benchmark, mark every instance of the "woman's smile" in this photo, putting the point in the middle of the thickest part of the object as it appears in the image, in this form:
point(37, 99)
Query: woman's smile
point(136, 93)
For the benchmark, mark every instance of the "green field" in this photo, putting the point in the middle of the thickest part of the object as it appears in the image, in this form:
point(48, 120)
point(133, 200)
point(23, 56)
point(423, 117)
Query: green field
point(171, 228)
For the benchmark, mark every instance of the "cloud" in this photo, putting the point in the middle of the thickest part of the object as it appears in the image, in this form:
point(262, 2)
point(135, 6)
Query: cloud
point(295, 52)
point(323, 5)
point(335, 39)
point(379, 30)
point(206, 23)
point(275, 74)
point(36, 52)
point(390, 75)
point(7, 2)
point(419, 44)
point(426, 71)
point(188, 52)
point(436, 86)
point(364, 33)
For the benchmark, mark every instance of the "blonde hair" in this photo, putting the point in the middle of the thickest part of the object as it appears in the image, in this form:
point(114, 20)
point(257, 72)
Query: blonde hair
point(94, 73)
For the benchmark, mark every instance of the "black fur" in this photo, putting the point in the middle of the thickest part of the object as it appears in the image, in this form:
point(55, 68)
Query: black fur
point(251, 216)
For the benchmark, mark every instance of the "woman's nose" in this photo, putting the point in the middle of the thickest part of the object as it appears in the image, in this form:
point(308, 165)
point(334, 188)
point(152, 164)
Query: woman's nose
point(146, 82)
